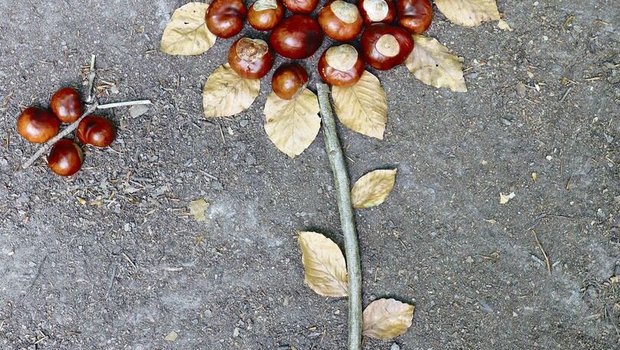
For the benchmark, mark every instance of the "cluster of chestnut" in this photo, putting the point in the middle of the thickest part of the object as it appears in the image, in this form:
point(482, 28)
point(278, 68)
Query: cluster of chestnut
point(39, 125)
point(385, 27)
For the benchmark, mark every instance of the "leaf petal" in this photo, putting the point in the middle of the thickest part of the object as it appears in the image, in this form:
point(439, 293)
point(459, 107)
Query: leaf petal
point(187, 33)
point(434, 65)
point(363, 106)
point(226, 93)
point(386, 319)
point(468, 13)
point(324, 267)
point(292, 124)
point(373, 188)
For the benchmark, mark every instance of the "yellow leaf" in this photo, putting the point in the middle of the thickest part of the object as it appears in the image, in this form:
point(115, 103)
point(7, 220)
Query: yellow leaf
point(386, 319)
point(226, 93)
point(363, 106)
point(292, 124)
point(187, 33)
point(373, 188)
point(434, 65)
point(468, 13)
point(324, 267)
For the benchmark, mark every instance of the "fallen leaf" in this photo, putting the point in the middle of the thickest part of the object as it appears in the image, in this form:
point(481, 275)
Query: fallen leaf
point(503, 25)
point(172, 336)
point(468, 13)
point(198, 208)
point(226, 93)
point(434, 65)
point(363, 106)
point(373, 188)
point(292, 124)
point(505, 198)
point(187, 33)
point(325, 270)
point(386, 319)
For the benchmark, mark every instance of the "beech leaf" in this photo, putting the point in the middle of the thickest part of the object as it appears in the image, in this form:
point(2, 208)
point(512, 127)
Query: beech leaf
point(363, 106)
point(434, 65)
point(187, 33)
point(325, 270)
point(386, 319)
point(373, 188)
point(292, 124)
point(469, 13)
point(226, 93)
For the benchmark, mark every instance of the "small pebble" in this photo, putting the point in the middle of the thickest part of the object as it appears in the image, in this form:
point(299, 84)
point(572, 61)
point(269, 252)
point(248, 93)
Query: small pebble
point(395, 347)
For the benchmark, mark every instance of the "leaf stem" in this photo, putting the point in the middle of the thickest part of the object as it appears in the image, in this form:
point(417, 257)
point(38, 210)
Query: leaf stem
point(347, 221)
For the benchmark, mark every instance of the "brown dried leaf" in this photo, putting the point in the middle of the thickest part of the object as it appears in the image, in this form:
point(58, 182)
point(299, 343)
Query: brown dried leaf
point(187, 33)
point(434, 65)
point(292, 124)
point(386, 319)
point(226, 93)
point(468, 13)
point(373, 188)
point(363, 106)
point(325, 269)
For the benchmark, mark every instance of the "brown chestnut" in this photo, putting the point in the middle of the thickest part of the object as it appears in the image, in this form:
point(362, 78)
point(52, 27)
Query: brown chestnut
point(37, 125)
point(65, 158)
point(95, 130)
point(300, 6)
point(250, 58)
point(385, 46)
point(415, 15)
point(288, 80)
point(340, 20)
point(225, 17)
point(265, 14)
point(375, 11)
point(66, 105)
point(297, 37)
point(341, 65)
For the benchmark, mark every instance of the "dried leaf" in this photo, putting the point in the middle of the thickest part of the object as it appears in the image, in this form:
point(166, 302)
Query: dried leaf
point(197, 209)
point(468, 13)
point(226, 93)
point(325, 269)
point(503, 25)
point(363, 106)
point(386, 319)
point(505, 198)
point(172, 336)
point(292, 124)
point(187, 33)
point(434, 65)
point(373, 188)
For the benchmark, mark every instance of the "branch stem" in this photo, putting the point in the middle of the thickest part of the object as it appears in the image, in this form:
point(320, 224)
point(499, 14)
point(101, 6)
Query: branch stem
point(347, 220)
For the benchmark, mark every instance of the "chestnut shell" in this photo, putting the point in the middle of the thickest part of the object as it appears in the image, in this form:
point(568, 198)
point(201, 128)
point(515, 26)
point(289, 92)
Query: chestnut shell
point(301, 6)
point(265, 19)
point(288, 79)
point(225, 17)
point(95, 130)
point(66, 104)
point(336, 28)
point(297, 37)
point(336, 77)
point(250, 58)
point(65, 158)
point(389, 17)
point(374, 57)
point(37, 125)
point(415, 15)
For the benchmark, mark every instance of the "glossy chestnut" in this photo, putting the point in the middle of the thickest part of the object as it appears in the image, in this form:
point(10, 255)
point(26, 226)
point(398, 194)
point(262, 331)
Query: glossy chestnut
point(297, 37)
point(288, 80)
point(65, 158)
point(265, 14)
point(377, 11)
point(301, 6)
point(340, 20)
point(225, 18)
point(95, 130)
point(250, 58)
point(414, 15)
point(341, 65)
point(386, 46)
point(37, 125)
point(66, 105)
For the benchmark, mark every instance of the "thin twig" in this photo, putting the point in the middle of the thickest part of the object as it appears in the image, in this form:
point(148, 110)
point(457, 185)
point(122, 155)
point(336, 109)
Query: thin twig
point(91, 79)
point(124, 104)
point(347, 222)
point(547, 261)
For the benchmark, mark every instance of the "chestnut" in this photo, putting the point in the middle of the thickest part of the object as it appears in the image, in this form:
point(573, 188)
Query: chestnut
point(250, 58)
point(65, 158)
point(37, 125)
point(374, 11)
point(301, 6)
point(341, 65)
point(340, 20)
point(386, 46)
point(415, 15)
point(288, 80)
point(297, 37)
point(95, 130)
point(225, 17)
point(66, 105)
point(265, 14)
